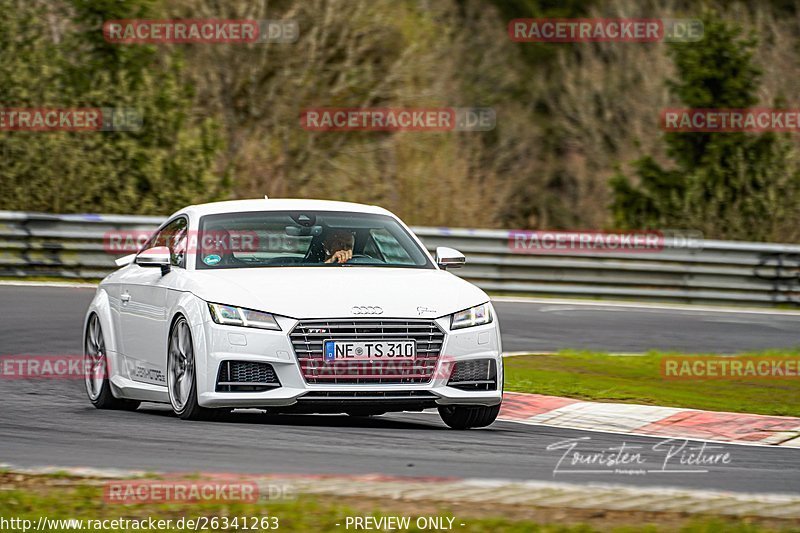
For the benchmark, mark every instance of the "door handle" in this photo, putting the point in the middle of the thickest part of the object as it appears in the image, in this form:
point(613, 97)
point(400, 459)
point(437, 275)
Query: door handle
point(125, 298)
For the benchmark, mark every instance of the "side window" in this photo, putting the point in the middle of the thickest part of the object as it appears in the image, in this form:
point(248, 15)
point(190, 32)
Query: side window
point(392, 251)
point(149, 243)
point(178, 246)
point(174, 237)
point(371, 249)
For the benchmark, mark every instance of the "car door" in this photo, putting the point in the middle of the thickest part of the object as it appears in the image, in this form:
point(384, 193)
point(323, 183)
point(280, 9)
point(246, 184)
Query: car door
point(143, 307)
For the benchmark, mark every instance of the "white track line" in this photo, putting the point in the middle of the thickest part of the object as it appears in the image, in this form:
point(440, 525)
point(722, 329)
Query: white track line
point(626, 433)
point(557, 494)
point(540, 352)
point(58, 284)
point(650, 435)
point(645, 305)
point(507, 299)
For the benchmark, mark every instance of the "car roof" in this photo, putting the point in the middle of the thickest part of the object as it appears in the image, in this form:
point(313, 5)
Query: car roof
point(280, 204)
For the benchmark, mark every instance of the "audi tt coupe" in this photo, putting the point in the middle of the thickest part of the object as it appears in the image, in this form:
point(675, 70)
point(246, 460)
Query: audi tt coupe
point(292, 305)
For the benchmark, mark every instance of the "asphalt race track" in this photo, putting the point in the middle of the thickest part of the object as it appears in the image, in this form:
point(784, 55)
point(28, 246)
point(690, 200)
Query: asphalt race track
point(47, 320)
point(50, 422)
point(614, 328)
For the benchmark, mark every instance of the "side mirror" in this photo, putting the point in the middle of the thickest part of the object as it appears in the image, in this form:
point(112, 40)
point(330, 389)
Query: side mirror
point(449, 258)
point(155, 257)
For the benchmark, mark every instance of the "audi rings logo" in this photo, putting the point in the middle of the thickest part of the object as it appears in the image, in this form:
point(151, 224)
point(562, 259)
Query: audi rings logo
point(367, 310)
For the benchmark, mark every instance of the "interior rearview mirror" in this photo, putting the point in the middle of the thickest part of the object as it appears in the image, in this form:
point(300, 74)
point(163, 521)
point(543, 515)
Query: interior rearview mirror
point(303, 231)
point(449, 258)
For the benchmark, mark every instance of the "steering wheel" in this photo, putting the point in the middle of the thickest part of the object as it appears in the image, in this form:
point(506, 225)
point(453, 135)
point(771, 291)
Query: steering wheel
point(361, 258)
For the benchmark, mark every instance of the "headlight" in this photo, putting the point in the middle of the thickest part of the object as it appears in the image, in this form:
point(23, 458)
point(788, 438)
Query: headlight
point(475, 316)
point(238, 316)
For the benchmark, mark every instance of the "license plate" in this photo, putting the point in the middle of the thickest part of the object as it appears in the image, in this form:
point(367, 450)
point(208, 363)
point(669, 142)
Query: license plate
point(378, 350)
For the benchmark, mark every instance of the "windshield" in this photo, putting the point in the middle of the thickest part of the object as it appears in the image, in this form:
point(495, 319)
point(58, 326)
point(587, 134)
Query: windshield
point(305, 239)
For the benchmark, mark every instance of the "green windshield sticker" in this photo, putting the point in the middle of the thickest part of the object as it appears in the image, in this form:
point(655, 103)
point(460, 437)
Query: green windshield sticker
point(212, 259)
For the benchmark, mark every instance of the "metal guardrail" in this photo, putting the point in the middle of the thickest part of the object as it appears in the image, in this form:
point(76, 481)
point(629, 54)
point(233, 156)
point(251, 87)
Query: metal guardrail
point(71, 247)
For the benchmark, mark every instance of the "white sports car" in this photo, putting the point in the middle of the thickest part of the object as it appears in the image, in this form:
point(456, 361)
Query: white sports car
point(293, 306)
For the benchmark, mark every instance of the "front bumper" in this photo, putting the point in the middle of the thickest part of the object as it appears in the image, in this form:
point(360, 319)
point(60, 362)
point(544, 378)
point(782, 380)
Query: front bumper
point(219, 343)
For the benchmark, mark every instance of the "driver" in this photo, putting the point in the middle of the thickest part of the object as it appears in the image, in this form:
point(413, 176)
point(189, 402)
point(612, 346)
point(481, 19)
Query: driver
point(338, 246)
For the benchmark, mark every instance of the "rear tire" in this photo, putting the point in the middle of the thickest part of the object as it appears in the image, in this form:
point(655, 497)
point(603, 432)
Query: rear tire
point(468, 416)
point(181, 382)
point(95, 370)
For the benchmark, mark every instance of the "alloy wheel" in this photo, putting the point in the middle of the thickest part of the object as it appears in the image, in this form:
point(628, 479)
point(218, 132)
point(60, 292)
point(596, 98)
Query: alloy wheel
point(94, 359)
point(180, 366)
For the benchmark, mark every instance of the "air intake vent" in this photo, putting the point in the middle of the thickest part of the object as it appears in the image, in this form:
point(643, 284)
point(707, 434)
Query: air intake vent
point(246, 376)
point(475, 375)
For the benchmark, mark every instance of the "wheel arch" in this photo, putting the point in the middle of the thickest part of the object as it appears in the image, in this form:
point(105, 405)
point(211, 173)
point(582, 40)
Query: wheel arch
point(101, 306)
point(195, 311)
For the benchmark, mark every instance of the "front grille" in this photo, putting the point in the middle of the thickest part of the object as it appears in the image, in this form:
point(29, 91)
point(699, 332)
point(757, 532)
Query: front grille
point(309, 335)
point(246, 376)
point(477, 374)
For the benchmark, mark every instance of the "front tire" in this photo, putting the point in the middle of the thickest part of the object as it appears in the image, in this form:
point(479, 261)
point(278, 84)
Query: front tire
point(181, 382)
point(468, 416)
point(95, 361)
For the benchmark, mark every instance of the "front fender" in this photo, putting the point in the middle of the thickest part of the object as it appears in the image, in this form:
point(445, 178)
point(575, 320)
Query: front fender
point(195, 310)
point(101, 306)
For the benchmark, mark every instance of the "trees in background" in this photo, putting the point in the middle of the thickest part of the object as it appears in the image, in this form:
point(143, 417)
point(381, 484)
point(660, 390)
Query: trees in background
point(54, 56)
point(223, 120)
point(728, 185)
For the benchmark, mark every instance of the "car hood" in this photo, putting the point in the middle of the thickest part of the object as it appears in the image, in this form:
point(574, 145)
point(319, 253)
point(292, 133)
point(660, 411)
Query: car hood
point(333, 292)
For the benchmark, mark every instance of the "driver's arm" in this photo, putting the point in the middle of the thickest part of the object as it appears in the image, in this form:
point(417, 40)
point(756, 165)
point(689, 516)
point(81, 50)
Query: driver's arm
point(342, 256)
